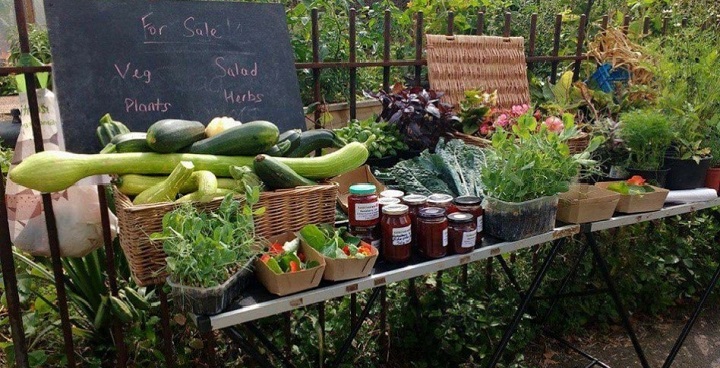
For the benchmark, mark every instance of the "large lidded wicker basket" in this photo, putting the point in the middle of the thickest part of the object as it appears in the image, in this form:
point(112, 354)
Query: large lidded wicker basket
point(285, 211)
point(461, 62)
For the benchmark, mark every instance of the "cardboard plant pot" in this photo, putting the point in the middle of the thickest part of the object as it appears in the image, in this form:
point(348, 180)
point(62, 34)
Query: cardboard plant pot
point(586, 203)
point(634, 203)
point(337, 269)
point(513, 221)
point(291, 282)
point(212, 300)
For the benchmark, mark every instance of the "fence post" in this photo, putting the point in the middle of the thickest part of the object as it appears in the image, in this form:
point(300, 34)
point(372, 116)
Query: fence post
point(419, 30)
point(506, 26)
point(556, 47)
point(353, 69)
point(480, 23)
point(386, 51)
point(450, 23)
point(50, 222)
point(315, 34)
point(579, 49)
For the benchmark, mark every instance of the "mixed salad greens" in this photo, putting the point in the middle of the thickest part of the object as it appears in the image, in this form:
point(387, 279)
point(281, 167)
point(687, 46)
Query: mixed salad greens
point(335, 244)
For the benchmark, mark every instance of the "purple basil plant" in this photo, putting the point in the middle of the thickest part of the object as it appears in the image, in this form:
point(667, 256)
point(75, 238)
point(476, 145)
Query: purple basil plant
point(418, 113)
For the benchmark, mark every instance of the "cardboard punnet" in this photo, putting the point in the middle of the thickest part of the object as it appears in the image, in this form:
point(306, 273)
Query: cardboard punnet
point(639, 202)
point(586, 203)
point(289, 283)
point(348, 268)
point(362, 174)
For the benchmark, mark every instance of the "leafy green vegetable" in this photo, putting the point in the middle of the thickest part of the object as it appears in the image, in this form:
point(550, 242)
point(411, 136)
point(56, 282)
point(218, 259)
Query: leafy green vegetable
point(335, 244)
point(623, 187)
point(454, 169)
point(203, 248)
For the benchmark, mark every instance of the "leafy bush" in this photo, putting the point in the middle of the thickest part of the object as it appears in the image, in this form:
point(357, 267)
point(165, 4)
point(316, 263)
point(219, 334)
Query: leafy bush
point(647, 136)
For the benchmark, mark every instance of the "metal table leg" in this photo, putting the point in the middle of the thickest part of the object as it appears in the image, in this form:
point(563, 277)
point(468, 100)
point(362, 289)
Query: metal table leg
point(605, 273)
point(689, 325)
point(525, 302)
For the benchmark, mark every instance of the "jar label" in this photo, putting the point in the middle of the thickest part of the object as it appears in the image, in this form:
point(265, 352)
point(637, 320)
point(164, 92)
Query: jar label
point(468, 239)
point(479, 224)
point(401, 235)
point(445, 237)
point(366, 211)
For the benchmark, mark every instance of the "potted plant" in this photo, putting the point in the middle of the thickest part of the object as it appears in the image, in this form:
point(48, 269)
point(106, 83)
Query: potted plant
point(689, 158)
point(525, 172)
point(209, 255)
point(612, 154)
point(419, 115)
point(712, 179)
point(388, 142)
point(647, 136)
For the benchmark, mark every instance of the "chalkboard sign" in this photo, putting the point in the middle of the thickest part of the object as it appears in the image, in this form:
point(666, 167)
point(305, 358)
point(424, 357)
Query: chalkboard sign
point(142, 61)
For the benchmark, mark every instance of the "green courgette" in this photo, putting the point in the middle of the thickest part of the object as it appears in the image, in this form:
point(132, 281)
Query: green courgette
point(278, 149)
point(108, 129)
point(313, 140)
point(171, 135)
point(292, 136)
point(52, 171)
point(134, 184)
point(248, 139)
point(168, 189)
point(131, 142)
point(276, 174)
point(207, 185)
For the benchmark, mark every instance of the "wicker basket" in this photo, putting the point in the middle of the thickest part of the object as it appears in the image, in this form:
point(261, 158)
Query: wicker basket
point(459, 63)
point(472, 140)
point(286, 210)
point(579, 143)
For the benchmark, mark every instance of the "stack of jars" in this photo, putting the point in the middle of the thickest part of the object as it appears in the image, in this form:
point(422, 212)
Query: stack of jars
point(433, 226)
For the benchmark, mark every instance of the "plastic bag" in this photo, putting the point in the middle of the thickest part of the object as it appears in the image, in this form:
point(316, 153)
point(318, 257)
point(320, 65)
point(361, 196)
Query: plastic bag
point(77, 211)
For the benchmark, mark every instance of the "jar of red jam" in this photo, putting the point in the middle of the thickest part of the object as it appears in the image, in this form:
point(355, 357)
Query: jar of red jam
point(443, 201)
point(363, 207)
point(392, 193)
point(384, 201)
point(462, 232)
point(396, 231)
point(414, 202)
point(471, 205)
point(432, 232)
point(370, 235)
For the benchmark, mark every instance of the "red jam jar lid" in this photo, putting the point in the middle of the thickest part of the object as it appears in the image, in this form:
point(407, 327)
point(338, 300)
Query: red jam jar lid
point(431, 212)
point(468, 201)
point(395, 209)
point(392, 193)
point(460, 217)
point(362, 189)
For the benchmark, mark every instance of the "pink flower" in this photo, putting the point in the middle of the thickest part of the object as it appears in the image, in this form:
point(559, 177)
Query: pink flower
point(518, 110)
point(484, 130)
point(554, 124)
point(503, 120)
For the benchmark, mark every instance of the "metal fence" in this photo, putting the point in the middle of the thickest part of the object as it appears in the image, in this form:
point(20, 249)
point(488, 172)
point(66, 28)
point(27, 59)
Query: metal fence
point(316, 66)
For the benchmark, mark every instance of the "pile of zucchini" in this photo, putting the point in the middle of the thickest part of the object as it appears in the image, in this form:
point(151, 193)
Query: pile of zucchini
point(188, 161)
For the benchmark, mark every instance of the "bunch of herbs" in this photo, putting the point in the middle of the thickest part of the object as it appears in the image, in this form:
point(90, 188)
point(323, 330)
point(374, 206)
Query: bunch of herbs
point(205, 248)
point(532, 163)
point(418, 113)
point(388, 141)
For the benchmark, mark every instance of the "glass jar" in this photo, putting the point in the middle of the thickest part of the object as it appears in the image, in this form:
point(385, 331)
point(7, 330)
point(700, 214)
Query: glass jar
point(471, 205)
point(385, 201)
point(363, 207)
point(443, 201)
point(396, 231)
point(462, 232)
point(392, 193)
point(370, 235)
point(414, 202)
point(432, 232)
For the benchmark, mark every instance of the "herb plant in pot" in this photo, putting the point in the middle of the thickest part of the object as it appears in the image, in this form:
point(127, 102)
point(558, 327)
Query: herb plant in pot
point(210, 254)
point(523, 177)
point(388, 143)
point(647, 136)
point(689, 158)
